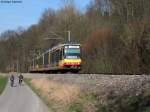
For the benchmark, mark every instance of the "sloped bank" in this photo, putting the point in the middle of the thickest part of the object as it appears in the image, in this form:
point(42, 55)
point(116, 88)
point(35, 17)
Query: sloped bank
point(95, 93)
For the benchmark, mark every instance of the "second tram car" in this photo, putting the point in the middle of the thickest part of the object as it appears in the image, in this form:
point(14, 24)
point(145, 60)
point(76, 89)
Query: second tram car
point(62, 58)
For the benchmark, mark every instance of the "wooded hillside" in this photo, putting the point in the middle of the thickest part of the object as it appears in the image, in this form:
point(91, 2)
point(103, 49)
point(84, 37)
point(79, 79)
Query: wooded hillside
point(115, 36)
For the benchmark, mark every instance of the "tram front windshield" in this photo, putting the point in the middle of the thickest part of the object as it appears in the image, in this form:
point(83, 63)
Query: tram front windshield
point(72, 52)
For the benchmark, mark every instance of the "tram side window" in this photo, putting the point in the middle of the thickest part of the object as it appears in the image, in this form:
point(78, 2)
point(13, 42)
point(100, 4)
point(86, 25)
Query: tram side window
point(46, 60)
point(52, 58)
point(62, 53)
point(40, 61)
point(35, 63)
point(31, 65)
point(55, 56)
point(58, 55)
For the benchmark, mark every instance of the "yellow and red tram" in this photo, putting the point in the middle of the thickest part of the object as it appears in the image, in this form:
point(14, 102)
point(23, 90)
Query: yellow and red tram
point(63, 57)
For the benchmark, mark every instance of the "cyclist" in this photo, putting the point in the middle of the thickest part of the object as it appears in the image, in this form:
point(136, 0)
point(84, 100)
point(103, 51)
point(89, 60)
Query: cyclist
point(12, 80)
point(20, 79)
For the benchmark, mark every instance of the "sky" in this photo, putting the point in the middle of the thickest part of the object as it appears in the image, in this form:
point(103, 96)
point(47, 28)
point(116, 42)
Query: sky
point(28, 12)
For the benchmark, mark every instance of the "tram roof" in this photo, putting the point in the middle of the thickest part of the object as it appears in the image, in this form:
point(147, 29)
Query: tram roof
point(61, 45)
point(58, 46)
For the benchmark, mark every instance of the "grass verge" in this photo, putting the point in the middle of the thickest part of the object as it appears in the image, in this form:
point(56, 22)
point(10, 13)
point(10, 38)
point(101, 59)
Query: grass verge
point(83, 102)
point(3, 82)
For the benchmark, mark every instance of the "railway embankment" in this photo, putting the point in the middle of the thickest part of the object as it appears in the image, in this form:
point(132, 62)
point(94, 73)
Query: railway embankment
point(93, 92)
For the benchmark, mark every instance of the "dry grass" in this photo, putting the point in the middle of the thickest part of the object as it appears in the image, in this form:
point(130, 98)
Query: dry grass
point(57, 91)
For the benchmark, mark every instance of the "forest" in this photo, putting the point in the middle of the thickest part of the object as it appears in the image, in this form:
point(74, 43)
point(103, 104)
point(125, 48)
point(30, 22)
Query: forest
point(115, 37)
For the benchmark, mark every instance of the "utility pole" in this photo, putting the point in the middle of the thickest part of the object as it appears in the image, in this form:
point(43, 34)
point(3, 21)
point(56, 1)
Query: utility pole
point(129, 11)
point(69, 37)
point(17, 66)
